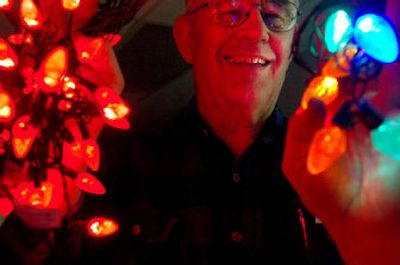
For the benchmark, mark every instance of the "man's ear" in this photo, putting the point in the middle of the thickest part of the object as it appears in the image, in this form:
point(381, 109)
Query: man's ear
point(183, 37)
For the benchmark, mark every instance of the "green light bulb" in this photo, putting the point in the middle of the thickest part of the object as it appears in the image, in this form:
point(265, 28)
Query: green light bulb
point(386, 138)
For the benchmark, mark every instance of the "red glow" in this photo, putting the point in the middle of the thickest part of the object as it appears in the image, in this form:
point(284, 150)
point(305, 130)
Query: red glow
point(29, 39)
point(7, 107)
point(71, 4)
point(6, 206)
point(16, 39)
point(8, 58)
point(26, 193)
point(90, 184)
point(328, 144)
point(30, 14)
point(102, 227)
point(23, 136)
point(114, 109)
point(113, 39)
point(55, 67)
point(88, 48)
point(69, 88)
point(92, 154)
point(6, 4)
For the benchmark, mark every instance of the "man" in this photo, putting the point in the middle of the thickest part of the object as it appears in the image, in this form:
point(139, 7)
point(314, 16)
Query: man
point(213, 191)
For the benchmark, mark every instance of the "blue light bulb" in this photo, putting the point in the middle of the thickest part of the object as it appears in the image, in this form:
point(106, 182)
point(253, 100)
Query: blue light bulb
point(338, 30)
point(386, 138)
point(377, 37)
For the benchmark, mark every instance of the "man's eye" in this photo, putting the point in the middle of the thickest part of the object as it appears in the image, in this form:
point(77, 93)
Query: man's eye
point(231, 17)
point(274, 21)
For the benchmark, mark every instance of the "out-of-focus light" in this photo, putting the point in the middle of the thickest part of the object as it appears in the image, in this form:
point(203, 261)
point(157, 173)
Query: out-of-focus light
point(328, 144)
point(7, 106)
point(6, 206)
point(386, 138)
point(102, 227)
point(30, 14)
point(113, 109)
point(377, 37)
point(55, 67)
point(339, 65)
point(325, 88)
point(23, 136)
point(16, 39)
point(69, 88)
point(71, 4)
point(89, 183)
point(338, 30)
point(8, 58)
point(6, 4)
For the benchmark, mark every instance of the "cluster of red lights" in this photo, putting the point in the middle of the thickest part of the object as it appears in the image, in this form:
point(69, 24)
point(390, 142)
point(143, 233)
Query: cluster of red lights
point(52, 81)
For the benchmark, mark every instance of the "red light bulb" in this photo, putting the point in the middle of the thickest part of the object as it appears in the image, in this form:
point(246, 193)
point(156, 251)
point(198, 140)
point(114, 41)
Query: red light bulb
point(8, 58)
point(113, 108)
point(54, 68)
point(6, 4)
point(102, 227)
point(89, 183)
point(6, 206)
point(23, 136)
point(26, 193)
point(7, 106)
point(324, 88)
point(92, 154)
point(88, 48)
point(71, 4)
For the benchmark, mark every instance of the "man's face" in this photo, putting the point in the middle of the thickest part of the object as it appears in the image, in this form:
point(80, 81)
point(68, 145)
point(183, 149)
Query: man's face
point(239, 71)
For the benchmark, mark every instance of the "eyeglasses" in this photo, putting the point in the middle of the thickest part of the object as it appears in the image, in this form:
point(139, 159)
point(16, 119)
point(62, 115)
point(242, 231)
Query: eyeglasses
point(278, 15)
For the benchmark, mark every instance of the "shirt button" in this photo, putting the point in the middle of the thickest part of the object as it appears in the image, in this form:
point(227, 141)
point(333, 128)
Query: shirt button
point(237, 237)
point(236, 177)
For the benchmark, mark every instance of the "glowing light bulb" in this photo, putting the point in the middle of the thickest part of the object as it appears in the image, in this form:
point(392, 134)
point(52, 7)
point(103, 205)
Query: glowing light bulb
point(328, 144)
point(89, 183)
point(8, 58)
point(113, 108)
point(88, 48)
point(377, 37)
point(338, 30)
point(54, 68)
point(339, 65)
point(30, 195)
point(102, 227)
point(92, 154)
point(30, 14)
point(7, 106)
point(325, 88)
point(386, 138)
point(23, 136)
point(69, 88)
point(6, 208)
point(6, 4)
point(71, 4)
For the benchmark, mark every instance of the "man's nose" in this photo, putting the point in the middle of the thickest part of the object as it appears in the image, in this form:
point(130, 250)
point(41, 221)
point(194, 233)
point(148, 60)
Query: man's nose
point(255, 27)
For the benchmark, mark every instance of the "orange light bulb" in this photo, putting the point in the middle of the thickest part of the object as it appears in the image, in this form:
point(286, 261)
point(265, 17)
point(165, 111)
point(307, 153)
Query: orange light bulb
point(324, 88)
point(71, 4)
point(328, 145)
point(102, 227)
point(6, 4)
point(7, 106)
point(89, 183)
point(54, 68)
point(30, 14)
point(23, 136)
point(8, 58)
point(113, 108)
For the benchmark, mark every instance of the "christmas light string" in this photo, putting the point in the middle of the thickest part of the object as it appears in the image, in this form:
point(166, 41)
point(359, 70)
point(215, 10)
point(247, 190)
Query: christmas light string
point(41, 92)
point(349, 49)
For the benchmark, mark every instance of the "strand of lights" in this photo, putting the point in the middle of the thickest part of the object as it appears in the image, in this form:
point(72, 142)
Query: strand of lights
point(357, 50)
point(32, 121)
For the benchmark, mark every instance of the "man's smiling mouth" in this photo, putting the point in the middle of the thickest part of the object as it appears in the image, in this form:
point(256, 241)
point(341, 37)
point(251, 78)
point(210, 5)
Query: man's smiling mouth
point(248, 60)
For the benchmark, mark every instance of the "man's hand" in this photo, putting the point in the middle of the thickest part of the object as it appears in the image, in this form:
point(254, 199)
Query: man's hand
point(357, 198)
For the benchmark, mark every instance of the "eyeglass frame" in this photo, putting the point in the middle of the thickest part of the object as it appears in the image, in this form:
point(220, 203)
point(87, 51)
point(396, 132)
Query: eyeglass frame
point(209, 2)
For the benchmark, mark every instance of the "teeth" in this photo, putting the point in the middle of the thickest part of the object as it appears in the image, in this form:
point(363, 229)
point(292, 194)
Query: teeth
point(246, 60)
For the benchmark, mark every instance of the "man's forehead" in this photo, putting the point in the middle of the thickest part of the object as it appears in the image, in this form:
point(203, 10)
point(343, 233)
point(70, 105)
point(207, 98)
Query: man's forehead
point(191, 4)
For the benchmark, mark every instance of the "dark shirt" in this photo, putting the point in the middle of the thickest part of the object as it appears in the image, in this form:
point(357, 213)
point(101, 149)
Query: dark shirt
point(195, 203)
